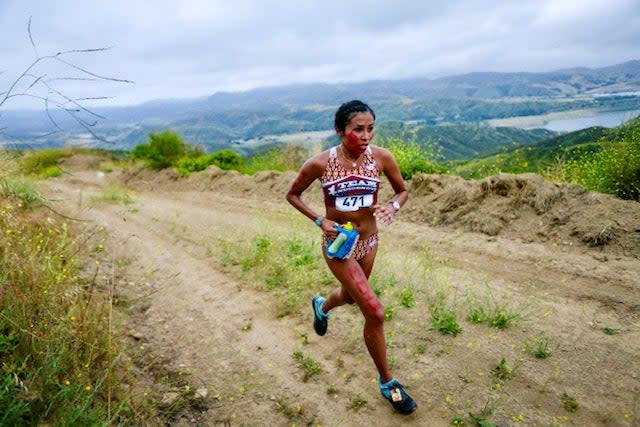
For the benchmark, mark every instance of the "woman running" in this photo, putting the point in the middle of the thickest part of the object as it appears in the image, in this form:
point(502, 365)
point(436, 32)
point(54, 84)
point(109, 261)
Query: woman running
point(350, 177)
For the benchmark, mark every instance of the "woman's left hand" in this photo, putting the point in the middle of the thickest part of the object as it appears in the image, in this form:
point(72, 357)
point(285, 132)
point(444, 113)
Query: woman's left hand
point(384, 213)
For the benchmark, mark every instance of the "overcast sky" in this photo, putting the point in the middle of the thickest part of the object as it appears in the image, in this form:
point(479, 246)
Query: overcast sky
point(188, 48)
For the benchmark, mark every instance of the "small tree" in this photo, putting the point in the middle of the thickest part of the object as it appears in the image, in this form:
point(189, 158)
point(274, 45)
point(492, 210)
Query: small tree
point(163, 150)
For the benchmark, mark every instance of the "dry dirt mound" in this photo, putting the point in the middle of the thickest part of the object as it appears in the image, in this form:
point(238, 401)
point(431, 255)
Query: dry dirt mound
point(525, 207)
point(529, 208)
point(78, 162)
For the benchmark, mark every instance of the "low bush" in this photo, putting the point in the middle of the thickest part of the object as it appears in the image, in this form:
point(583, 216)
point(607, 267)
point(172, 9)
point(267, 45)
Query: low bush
point(42, 163)
point(163, 150)
point(412, 158)
point(614, 169)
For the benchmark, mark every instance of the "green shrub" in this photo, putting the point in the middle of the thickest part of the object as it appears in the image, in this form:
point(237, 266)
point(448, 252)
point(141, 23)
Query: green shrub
point(187, 165)
point(614, 169)
point(163, 150)
point(287, 157)
point(42, 163)
point(226, 159)
point(412, 158)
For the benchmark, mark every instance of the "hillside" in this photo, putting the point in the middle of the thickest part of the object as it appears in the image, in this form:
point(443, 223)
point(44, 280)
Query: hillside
point(464, 141)
point(218, 120)
point(534, 158)
point(206, 306)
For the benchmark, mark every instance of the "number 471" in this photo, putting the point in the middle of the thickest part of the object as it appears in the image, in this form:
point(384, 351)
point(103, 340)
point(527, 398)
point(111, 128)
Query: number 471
point(353, 201)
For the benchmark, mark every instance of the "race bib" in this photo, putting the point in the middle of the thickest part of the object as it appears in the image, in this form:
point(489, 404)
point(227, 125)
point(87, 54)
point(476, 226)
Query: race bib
point(353, 203)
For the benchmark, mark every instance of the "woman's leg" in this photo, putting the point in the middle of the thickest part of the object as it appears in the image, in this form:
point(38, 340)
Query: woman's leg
point(340, 296)
point(353, 276)
point(337, 297)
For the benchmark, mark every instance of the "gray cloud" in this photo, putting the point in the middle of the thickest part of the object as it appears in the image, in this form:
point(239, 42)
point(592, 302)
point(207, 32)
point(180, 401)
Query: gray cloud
point(192, 48)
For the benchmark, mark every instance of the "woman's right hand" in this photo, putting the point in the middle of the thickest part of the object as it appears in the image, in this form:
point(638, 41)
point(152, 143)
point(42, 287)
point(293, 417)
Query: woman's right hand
point(329, 228)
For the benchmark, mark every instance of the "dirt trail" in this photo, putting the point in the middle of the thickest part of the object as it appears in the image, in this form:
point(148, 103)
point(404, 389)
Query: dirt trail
point(192, 318)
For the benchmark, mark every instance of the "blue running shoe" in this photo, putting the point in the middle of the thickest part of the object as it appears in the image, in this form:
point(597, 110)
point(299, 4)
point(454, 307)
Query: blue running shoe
point(320, 318)
point(394, 392)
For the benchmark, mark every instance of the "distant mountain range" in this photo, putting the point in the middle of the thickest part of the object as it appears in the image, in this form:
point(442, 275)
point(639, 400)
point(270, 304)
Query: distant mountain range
point(227, 119)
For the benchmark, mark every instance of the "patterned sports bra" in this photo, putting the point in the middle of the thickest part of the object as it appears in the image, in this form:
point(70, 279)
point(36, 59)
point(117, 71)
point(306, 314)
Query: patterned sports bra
point(350, 190)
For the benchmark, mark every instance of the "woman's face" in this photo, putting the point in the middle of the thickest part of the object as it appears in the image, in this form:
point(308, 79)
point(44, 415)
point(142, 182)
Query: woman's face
point(358, 133)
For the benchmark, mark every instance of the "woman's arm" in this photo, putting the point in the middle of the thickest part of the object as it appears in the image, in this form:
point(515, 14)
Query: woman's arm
point(310, 171)
point(386, 211)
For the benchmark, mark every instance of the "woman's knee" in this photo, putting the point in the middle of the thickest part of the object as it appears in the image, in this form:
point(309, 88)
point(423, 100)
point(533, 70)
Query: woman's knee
point(373, 311)
point(346, 296)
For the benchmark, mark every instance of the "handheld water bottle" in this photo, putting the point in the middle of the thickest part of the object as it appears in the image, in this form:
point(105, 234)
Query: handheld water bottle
point(343, 245)
point(342, 237)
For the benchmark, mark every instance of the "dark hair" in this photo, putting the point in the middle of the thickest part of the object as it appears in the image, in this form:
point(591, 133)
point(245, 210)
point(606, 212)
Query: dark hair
point(349, 109)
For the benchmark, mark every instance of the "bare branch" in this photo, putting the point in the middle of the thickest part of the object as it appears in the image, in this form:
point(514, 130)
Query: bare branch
point(54, 97)
point(87, 79)
point(35, 50)
point(46, 108)
point(35, 81)
point(73, 102)
point(16, 81)
point(53, 132)
point(90, 50)
point(93, 98)
point(89, 72)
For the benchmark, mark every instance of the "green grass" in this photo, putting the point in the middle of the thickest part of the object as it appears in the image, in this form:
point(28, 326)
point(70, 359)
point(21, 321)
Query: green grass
point(502, 371)
point(58, 347)
point(58, 356)
point(406, 296)
point(539, 347)
point(613, 168)
point(502, 317)
point(599, 159)
point(20, 191)
point(43, 163)
point(114, 194)
point(570, 403)
point(309, 366)
point(445, 321)
point(289, 267)
point(292, 412)
point(492, 311)
point(357, 402)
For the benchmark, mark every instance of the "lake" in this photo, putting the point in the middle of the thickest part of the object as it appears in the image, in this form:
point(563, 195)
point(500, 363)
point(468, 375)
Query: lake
point(609, 119)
